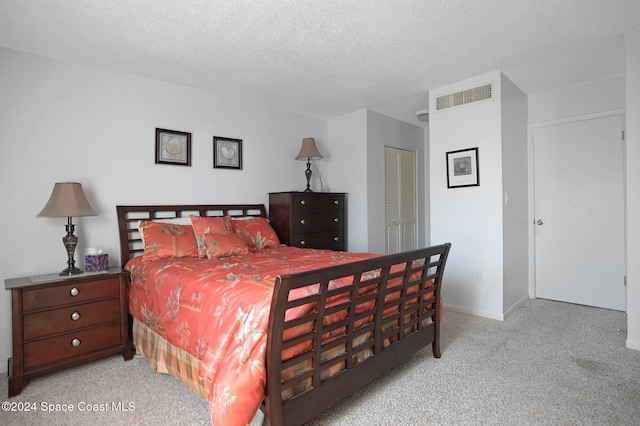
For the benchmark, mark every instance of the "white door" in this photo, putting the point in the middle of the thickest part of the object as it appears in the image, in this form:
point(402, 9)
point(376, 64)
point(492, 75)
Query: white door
point(579, 212)
point(400, 200)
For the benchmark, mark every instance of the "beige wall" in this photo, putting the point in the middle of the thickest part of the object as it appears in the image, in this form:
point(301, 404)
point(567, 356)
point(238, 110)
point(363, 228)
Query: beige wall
point(67, 122)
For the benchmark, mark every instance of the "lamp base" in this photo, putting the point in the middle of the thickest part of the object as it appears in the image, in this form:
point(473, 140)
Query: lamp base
point(308, 174)
point(72, 271)
point(70, 241)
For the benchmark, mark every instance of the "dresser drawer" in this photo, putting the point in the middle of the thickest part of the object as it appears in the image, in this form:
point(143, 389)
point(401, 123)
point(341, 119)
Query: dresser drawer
point(329, 241)
point(317, 222)
point(310, 219)
point(42, 298)
point(62, 347)
point(318, 202)
point(48, 323)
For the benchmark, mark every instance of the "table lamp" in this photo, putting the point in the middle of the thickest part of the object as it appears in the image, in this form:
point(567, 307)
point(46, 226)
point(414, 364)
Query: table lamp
point(68, 200)
point(308, 152)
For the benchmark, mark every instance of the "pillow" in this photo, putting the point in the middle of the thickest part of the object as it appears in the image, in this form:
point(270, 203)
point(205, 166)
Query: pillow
point(174, 220)
point(257, 232)
point(217, 246)
point(168, 240)
point(209, 226)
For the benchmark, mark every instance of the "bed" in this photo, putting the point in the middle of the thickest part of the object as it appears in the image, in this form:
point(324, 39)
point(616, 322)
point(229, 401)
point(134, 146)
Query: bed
point(270, 331)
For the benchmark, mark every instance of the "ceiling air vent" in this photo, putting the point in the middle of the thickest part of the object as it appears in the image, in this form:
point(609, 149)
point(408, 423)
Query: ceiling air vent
point(464, 97)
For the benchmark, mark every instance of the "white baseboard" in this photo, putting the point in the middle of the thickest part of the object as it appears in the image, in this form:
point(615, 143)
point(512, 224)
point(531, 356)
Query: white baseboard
point(510, 310)
point(633, 345)
point(486, 314)
point(472, 311)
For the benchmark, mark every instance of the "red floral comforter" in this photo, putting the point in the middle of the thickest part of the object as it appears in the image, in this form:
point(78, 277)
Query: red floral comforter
point(218, 311)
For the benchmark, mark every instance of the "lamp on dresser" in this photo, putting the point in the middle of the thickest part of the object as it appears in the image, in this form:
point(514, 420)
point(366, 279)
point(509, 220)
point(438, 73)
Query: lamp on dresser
point(68, 200)
point(308, 152)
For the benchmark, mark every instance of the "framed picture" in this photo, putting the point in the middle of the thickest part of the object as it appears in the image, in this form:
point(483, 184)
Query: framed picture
point(227, 153)
point(462, 168)
point(173, 147)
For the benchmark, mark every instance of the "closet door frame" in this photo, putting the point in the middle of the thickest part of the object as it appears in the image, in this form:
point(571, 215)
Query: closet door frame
point(401, 213)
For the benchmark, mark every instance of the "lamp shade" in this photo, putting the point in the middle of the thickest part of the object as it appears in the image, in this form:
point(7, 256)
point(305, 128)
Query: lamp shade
point(309, 151)
point(67, 200)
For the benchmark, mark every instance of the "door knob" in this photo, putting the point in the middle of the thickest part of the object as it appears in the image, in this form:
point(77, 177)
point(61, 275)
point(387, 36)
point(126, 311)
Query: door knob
point(540, 222)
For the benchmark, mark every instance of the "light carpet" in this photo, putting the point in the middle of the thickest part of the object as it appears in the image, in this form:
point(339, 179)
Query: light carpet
point(548, 363)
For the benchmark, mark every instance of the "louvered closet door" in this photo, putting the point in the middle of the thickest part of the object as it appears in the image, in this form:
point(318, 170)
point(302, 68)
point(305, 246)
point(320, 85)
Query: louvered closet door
point(400, 200)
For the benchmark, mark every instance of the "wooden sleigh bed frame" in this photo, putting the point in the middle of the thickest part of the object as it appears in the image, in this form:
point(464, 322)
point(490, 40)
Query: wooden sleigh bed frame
point(399, 326)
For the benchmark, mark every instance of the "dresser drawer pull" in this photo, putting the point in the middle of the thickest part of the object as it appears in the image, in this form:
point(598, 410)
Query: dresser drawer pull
point(336, 202)
point(75, 343)
point(302, 242)
point(75, 316)
point(303, 221)
point(335, 239)
point(303, 202)
point(74, 292)
point(335, 219)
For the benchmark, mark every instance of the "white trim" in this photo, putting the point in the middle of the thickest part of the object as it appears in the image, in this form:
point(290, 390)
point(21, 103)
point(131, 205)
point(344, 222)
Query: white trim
point(631, 344)
point(471, 311)
point(515, 306)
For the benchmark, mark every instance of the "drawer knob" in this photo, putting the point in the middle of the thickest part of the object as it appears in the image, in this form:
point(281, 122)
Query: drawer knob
point(302, 202)
point(335, 239)
point(303, 221)
point(75, 316)
point(302, 242)
point(335, 219)
point(74, 292)
point(75, 343)
point(336, 202)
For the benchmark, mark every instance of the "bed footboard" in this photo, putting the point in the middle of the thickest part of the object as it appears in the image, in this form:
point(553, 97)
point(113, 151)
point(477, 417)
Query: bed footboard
point(326, 341)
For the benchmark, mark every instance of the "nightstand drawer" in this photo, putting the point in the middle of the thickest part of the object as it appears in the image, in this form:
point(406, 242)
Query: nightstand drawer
point(71, 344)
point(317, 222)
point(318, 201)
point(41, 298)
point(66, 321)
point(329, 241)
point(48, 323)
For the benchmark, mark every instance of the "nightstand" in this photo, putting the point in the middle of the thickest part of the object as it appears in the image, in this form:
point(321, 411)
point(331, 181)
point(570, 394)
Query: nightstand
point(61, 322)
point(309, 219)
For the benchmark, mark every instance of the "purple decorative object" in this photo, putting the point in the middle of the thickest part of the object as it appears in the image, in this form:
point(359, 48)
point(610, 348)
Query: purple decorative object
point(96, 262)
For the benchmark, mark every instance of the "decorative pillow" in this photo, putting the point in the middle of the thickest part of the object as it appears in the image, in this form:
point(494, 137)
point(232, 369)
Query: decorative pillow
point(218, 246)
point(168, 240)
point(257, 232)
point(209, 226)
point(174, 220)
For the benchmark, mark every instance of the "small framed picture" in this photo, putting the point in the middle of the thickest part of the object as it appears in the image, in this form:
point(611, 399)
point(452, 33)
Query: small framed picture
point(462, 168)
point(227, 153)
point(173, 147)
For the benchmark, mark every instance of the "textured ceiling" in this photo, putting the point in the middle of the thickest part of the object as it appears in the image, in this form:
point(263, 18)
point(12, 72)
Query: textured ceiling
point(328, 58)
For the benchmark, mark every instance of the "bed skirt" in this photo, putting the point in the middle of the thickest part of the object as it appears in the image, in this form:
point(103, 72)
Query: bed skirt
point(168, 359)
point(176, 362)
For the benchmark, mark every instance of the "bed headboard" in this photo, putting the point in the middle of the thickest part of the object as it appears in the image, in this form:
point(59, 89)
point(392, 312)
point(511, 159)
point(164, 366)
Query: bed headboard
point(129, 216)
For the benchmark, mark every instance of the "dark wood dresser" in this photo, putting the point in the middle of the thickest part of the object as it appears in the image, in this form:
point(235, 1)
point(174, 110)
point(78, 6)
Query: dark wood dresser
point(63, 322)
point(309, 219)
